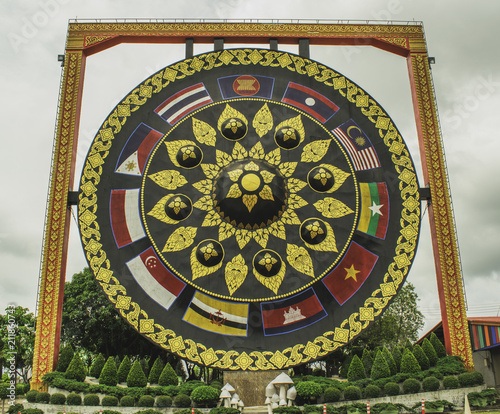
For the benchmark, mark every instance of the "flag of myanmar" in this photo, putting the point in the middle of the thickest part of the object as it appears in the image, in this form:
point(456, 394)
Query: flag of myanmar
point(374, 209)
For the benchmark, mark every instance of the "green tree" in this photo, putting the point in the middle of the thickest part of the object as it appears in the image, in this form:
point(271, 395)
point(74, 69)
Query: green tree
point(17, 340)
point(409, 363)
point(367, 361)
point(66, 354)
point(356, 370)
point(396, 355)
point(438, 345)
point(422, 359)
point(390, 360)
point(136, 376)
point(168, 376)
point(76, 369)
point(97, 365)
point(380, 369)
point(155, 372)
point(109, 375)
point(124, 369)
point(430, 352)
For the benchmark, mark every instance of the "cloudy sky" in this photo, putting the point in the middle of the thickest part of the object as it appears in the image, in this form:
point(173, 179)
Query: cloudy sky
point(466, 75)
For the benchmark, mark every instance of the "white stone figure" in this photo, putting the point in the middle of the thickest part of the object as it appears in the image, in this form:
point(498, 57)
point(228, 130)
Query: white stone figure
point(291, 394)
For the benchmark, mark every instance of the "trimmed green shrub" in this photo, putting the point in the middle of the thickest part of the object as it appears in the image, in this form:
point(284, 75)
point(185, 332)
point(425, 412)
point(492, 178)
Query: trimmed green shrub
point(106, 412)
point(352, 393)
point(57, 398)
point(390, 360)
point(372, 391)
point(287, 410)
point(145, 400)
point(31, 396)
point(216, 384)
point(31, 411)
point(409, 363)
point(396, 355)
point(185, 411)
point(124, 369)
point(380, 369)
point(136, 376)
point(127, 401)
point(224, 410)
point(431, 384)
point(483, 398)
point(76, 369)
point(391, 388)
point(156, 369)
point(97, 366)
point(450, 365)
point(164, 401)
point(411, 386)
point(422, 359)
point(430, 352)
point(356, 370)
point(344, 369)
point(168, 376)
point(43, 398)
point(182, 400)
point(451, 382)
point(367, 360)
point(205, 395)
point(109, 375)
point(145, 366)
point(91, 400)
point(15, 408)
point(188, 386)
point(438, 345)
point(20, 389)
point(65, 356)
point(470, 379)
point(74, 399)
point(309, 390)
point(109, 400)
point(332, 394)
point(433, 372)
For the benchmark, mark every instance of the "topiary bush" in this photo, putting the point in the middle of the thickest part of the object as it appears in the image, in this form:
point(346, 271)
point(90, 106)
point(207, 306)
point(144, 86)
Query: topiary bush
point(76, 369)
point(287, 410)
point(205, 395)
point(151, 411)
point(332, 394)
point(146, 400)
point(431, 384)
point(450, 365)
point(422, 359)
point(124, 369)
point(451, 382)
point(411, 386)
point(390, 361)
point(164, 401)
point(186, 411)
point(309, 390)
point(57, 398)
point(136, 376)
point(188, 386)
point(65, 356)
point(224, 410)
point(438, 345)
point(15, 408)
point(344, 369)
point(352, 393)
point(127, 401)
point(168, 376)
point(356, 370)
point(91, 400)
point(182, 400)
point(97, 366)
point(391, 388)
point(380, 369)
point(397, 355)
point(109, 375)
point(31, 396)
point(31, 411)
point(155, 372)
point(409, 363)
point(367, 360)
point(430, 352)
point(109, 400)
point(104, 412)
point(43, 398)
point(372, 391)
point(470, 379)
point(74, 399)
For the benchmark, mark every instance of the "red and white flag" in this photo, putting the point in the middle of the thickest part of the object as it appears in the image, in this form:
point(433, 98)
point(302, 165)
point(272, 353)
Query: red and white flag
point(126, 217)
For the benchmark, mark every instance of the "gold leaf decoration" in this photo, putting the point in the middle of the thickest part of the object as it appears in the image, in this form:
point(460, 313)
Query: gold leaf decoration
point(266, 193)
point(222, 159)
point(295, 201)
point(295, 123)
point(234, 192)
point(169, 179)
point(257, 152)
point(339, 176)
point(225, 231)
point(295, 185)
point(204, 186)
point(267, 176)
point(299, 259)
point(204, 133)
point(159, 213)
point(274, 282)
point(211, 219)
point(173, 148)
point(198, 269)
point(290, 217)
point(228, 113)
point(274, 157)
point(315, 151)
point(261, 236)
point(277, 229)
point(287, 168)
point(239, 152)
point(236, 273)
point(210, 170)
point(263, 121)
point(249, 200)
point(205, 203)
point(327, 245)
point(180, 239)
point(234, 175)
point(242, 237)
point(332, 208)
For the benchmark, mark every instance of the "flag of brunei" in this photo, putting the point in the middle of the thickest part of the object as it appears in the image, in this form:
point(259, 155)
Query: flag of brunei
point(374, 214)
point(217, 316)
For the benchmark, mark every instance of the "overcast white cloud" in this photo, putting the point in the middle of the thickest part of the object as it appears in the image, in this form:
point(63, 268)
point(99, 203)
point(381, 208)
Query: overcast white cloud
point(467, 81)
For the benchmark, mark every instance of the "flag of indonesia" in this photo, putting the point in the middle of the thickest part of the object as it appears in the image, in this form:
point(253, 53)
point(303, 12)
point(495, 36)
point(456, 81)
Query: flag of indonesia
point(155, 279)
point(182, 103)
point(315, 104)
point(350, 274)
point(125, 216)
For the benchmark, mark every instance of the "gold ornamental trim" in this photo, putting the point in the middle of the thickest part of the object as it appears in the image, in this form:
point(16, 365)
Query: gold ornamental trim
point(256, 360)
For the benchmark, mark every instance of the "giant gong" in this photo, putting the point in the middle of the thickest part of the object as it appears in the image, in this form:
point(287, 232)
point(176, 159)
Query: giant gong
point(249, 209)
